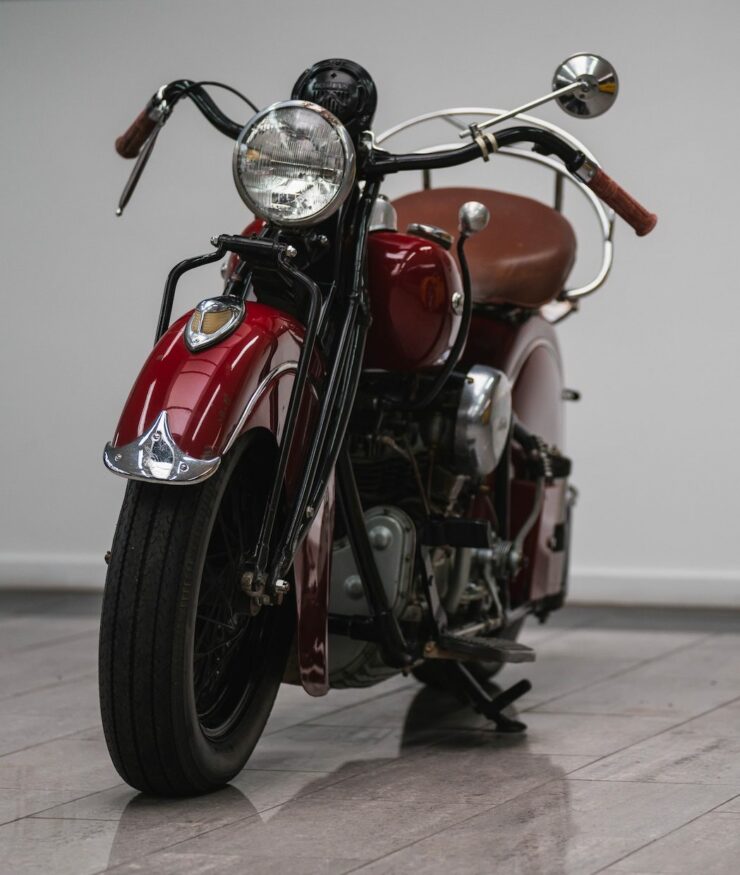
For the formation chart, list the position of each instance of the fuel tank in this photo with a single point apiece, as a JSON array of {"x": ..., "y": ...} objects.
[{"x": 416, "y": 300}]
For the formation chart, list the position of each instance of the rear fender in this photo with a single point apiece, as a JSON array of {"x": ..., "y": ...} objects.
[
  {"x": 187, "y": 409},
  {"x": 528, "y": 352}
]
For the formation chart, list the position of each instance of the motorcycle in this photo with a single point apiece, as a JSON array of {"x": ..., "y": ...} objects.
[{"x": 349, "y": 463}]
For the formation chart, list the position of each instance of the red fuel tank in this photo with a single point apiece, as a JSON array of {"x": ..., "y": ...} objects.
[{"x": 416, "y": 300}]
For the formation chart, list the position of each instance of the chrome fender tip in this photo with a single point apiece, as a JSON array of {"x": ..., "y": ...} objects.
[{"x": 155, "y": 457}]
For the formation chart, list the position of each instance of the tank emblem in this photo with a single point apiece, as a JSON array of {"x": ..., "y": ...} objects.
[{"x": 432, "y": 292}]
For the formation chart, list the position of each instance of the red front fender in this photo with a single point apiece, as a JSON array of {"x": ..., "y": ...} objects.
[
  {"x": 211, "y": 396},
  {"x": 203, "y": 402}
]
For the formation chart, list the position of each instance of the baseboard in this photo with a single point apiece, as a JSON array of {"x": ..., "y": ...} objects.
[
  {"x": 635, "y": 586},
  {"x": 52, "y": 571},
  {"x": 681, "y": 587}
]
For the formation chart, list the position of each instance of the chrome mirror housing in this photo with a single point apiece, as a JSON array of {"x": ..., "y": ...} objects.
[
  {"x": 473, "y": 217},
  {"x": 598, "y": 81}
]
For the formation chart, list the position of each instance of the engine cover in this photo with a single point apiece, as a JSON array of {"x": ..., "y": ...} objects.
[
  {"x": 393, "y": 539},
  {"x": 483, "y": 421}
]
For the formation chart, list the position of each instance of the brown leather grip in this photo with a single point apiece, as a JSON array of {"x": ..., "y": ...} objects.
[
  {"x": 623, "y": 204},
  {"x": 129, "y": 144}
]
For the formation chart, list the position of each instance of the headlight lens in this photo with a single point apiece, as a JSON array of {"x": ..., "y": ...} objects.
[{"x": 294, "y": 163}]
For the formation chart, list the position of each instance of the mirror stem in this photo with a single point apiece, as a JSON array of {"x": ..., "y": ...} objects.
[{"x": 579, "y": 84}]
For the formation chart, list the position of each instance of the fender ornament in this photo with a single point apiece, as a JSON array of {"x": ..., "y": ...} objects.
[{"x": 156, "y": 456}]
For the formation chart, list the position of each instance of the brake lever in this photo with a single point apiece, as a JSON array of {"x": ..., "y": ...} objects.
[{"x": 138, "y": 169}]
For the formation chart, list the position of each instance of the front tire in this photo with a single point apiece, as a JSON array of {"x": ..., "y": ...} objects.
[{"x": 187, "y": 677}]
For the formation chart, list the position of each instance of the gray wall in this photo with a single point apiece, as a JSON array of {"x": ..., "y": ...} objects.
[{"x": 655, "y": 353}]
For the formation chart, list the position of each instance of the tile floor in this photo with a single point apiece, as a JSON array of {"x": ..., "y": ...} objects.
[{"x": 631, "y": 763}]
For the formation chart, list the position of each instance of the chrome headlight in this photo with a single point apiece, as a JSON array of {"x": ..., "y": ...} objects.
[
  {"x": 294, "y": 163},
  {"x": 212, "y": 320}
]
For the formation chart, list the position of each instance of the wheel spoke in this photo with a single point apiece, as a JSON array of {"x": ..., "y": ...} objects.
[
  {"x": 230, "y": 648},
  {"x": 216, "y": 622},
  {"x": 226, "y": 538}
]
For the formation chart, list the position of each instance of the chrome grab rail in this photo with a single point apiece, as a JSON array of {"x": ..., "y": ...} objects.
[{"x": 604, "y": 216}]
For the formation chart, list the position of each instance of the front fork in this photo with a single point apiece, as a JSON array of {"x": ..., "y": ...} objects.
[
  {"x": 261, "y": 588},
  {"x": 265, "y": 571}
]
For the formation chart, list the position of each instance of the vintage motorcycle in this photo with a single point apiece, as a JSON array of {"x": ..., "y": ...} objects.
[{"x": 367, "y": 423}]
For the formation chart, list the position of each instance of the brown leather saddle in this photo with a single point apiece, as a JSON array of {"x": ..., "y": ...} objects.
[{"x": 521, "y": 259}]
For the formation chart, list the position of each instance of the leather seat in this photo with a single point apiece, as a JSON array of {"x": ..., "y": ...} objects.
[{"x": 521, "y": 259}]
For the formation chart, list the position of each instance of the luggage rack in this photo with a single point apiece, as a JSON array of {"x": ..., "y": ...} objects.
[{"x": 569, "y": 298}]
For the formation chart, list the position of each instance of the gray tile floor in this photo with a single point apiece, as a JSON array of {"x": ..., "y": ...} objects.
[{"x": 631, "y": 763}]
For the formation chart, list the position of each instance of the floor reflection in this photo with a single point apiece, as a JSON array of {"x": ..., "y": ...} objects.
[
  {"x": 530, "y": 832},
  {"x": 145, "y": 813},
  {"x": 445, "y": 753}
]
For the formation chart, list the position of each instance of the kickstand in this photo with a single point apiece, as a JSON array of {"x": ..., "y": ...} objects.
[{"x": 467, "y": 687}]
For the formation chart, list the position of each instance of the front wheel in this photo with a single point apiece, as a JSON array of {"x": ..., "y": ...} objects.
[{"x": 187, "y": 675}]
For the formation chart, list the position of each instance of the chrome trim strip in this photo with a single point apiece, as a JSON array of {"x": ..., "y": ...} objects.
[
  {"x": 156, "y": 457},
  {"x": 275, "y": 373}
]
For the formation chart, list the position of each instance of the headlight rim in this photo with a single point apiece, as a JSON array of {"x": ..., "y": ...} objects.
[{"x": 345, "y": 188}]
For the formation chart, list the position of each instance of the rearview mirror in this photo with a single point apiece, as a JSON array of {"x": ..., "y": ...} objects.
[{"x": 599, "y": 85}]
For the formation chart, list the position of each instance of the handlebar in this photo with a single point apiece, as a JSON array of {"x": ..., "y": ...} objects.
[
  {"x": 138, "y": 132},
  {"x": 623, "y": 204},
  {"x": 161, "y": 105},
  {"x": 378, "y": 163}
]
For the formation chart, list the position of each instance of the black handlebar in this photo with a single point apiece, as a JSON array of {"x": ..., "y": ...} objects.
[
  {"x": 380, "y": 163},
  {"x": 129, "y": 144},
  {"x": 202, "y": 99},
  {"x": 375, "y": 163}
]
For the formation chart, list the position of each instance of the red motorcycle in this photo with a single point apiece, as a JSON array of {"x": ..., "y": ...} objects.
[{"x": 348, "y": 464}]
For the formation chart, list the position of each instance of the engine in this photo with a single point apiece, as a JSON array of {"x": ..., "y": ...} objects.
[
  {"x": 410, "y": 466},
  {"x": 434, "y": 458}
]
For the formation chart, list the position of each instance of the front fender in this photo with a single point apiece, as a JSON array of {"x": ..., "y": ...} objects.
[
  {"x": 187, "y": 409},
  {"x": 212, "y": 396}
]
